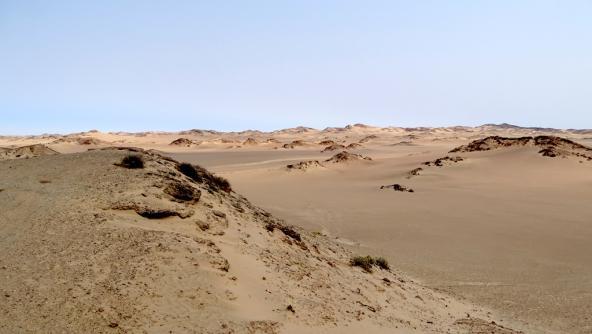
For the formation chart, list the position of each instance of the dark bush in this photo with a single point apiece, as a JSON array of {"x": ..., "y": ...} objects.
[
  {"x": 132, "y": 162},
  {"x": 269, "y": 226},
  {"x": 183, "y": 192},
  {"x": 291, "y": 232},
  {"x": 221, "y": 183},
  {"x": 364, "y": 262},
  {"x": 190, "y": 171},
  {"x": 200, "y": 174},
  {"x": 286, "y": 230},
  {"x": 382, "y": 263}
]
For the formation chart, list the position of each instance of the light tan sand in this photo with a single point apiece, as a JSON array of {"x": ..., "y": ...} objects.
[
  {"x": 79, "y": 254},
  {"x": 508, "y": 229}
]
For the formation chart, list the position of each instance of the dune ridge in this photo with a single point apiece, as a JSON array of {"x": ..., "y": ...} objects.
[{"x": 550, "y": 146}]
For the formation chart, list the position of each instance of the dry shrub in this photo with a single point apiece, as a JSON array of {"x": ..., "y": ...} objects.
[
  {"x": 132, "y": 162},
  {"x": 367, "y": 262},
  {"x": 200, "y": 174}
]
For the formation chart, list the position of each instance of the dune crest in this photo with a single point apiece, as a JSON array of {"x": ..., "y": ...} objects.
[
  {"x": 183, "y": 142},
  {"x": 550, "y": 146}
]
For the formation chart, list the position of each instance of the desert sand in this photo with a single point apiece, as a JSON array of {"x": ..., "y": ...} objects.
[{"x": 495, "y": 234}]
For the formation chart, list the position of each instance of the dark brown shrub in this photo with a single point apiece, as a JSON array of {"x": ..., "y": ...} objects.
[
  {"x": 183, "y": 192},
  {"x": 364, "y": 262},
  {"x": 200, "y": 174},
  {"x": 132, "y": 162},
  {"x": 286, "y": 230},
  {"x": 221, "y": 183},
  {"x": 190, "y": 171},
  {"x": 382, "y": 263}
]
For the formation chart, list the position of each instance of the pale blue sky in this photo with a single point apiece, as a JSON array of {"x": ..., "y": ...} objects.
[{"x": 167, "y": 65}]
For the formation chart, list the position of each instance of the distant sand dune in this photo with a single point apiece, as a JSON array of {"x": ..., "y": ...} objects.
[
  {"x": 343, "y": 157},
  {"x": 550, "y": 146},
  {"x": 23, "y": 152}
]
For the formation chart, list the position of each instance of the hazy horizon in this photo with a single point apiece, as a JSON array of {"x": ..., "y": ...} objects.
[{"x": 285, "y": 128}]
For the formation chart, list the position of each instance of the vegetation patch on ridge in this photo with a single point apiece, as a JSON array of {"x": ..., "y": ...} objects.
[
  {"x": 368, "y": 262},
  {"x": 200, "y": 174}
]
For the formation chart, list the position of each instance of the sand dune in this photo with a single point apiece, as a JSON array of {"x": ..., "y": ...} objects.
[
  {"x": 168, "y": 248},
  {"x": 250, "y": 141},
  {"x": 25, "y": 152},
  {"x": 183, "y": 142},
  {"x": 550, "y": 146},
  {"x": 344, "y": 157},
  {"x": 506, "y": 230}
]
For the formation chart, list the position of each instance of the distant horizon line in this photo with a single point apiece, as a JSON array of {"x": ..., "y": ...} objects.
[{"x": 503, "y": 125}]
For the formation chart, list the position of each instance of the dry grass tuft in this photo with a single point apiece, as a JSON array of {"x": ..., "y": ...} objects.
[{"x": 367, "y": 262}]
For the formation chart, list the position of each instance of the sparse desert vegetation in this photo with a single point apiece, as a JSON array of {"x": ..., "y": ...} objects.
[
  {"x": 132, "y": 161},
  {"x": 199, "y": 174},
  {"x": 183, "y": 192},
  {"x": 368, "y": 262},
  {"x": 189, "y": 204},
  {"x": 229, "y": 185}
]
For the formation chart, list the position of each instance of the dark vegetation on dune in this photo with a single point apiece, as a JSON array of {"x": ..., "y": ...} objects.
[
  {"x": 182, "y": 142},
  {"x": 346, "y": 156},
  {"x": 414, "y": 172},
  {"x": 183, "y": 192},
  {"x": 368, "y": 262},
  {"x": 398, "y": 187},
  {"x": 440, "y": 161},
  {"x": 302, "y": 165},
  {"x": 287, "y": 230},
  {"x": 200, "y": 174},
  {"x": 547, "y": 142},
  {"x": 132, "y": 162},
  {"x": 550, "y": 146}
]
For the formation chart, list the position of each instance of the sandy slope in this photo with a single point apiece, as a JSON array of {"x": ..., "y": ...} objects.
[
  {"x": 507, "y": 228},
  {"x": 77, "y": 255},
  {"x": 499, "y": 227}
]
